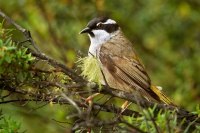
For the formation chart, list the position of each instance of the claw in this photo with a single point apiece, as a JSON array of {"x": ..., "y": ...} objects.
[
  {"x": 124, "y": 106},
  {"x": 89, "y": 99}
]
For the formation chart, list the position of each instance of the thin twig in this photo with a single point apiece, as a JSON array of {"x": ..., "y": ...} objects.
[
  {"x": 33, "y": 109},
  {"x": 71, "y": 102},
  {"x": 24, "y": 31},
  {"x": 63, "y": 68}
]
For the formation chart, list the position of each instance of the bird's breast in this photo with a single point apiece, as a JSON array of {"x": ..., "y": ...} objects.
[{"x": 93, "y": 50}]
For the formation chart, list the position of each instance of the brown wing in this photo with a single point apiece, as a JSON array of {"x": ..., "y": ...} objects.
[
  {"x": 126, "y": 69},
  {"x": 129, "y": 72},
  {"x": 119, "y": 58}
]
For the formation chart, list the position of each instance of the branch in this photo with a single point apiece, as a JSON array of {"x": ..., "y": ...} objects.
[
  {"x": 26, "y": 33},
  {"x": 192, "y": 119},
  {"x": 41, "y": 55},
  {"x": 59, "y": 65},
  {"x": 59, "y": 100}
]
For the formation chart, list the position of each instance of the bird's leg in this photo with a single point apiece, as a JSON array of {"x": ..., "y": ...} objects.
[
  {"x": 89, "y": 99},
  {"x": 124, "y": 106}
]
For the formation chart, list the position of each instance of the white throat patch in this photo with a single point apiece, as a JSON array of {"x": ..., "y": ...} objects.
[{"x": 100, "y": 37}]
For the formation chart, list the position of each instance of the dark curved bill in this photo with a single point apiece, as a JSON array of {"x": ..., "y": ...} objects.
[{"x": 86, "y": 30}]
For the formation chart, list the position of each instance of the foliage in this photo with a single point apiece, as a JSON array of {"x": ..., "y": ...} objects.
[
  {"x": 163, "y": 122},
  {"x": 8, "y": 125},
  {"x": 14, "y": 60},
  {"x": 164, "y": 33}
]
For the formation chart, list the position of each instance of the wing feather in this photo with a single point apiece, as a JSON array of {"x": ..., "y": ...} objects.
[{"x": 123, "y": 69}]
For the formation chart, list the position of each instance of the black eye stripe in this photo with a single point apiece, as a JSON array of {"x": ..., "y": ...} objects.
[{"x": 109, "y": 27}]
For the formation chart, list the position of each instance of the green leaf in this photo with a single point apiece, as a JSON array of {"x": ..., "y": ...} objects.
[
  {"x": 198, "y": 127},
  {"x": 11, "y": 48},
  {"x": 24, "y": 51},
  {"x": 20, "y": 76},
  {"x": 1, "y": 43},
  {"x": 7, "y": 58},
  {"x": 2, "y": 53},
  {"x": 7, "y": 41}
]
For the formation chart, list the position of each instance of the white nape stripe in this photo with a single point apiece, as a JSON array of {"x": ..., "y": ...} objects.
[{"x": 110, "y": 21}]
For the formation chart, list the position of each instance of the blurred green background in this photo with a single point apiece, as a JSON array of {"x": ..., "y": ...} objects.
[{"x": 165, "y": 33}]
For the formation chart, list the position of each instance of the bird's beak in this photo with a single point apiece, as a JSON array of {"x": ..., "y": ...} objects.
[{"x": 86, "y": 30}]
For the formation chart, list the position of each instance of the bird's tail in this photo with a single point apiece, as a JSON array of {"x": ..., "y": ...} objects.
[{"x": 162, "y": 97}]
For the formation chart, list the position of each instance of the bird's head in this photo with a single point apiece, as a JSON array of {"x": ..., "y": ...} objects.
[{"x": 100, "y": 30}]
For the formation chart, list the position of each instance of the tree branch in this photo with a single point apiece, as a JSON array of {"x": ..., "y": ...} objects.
[{"x": 80, "y": 83}]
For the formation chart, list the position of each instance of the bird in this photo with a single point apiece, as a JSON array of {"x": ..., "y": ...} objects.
[{"x": 120, "y": 65}]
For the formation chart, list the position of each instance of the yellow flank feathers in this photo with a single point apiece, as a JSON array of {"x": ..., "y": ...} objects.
[
  {"x": 162, "y": 97},
  {"x": 91, "y": 70}
]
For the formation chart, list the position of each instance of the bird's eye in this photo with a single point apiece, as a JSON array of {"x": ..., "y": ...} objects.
[{"x": 99, "y": 25}]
